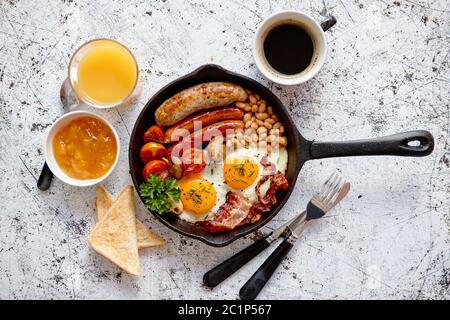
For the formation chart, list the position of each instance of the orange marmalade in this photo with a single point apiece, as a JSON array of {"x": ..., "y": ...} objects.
[{"x": 85, "y": 148}]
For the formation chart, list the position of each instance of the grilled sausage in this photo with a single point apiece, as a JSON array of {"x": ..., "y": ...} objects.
[
  {"x": 200, "y": 137},
  {"x": 180, "y": 129},
  {"x": 197, "y": 98},
  {"x": 216, "y": 129}
]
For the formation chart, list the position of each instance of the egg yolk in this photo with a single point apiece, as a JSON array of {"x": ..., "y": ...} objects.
[
  {"x": 197, "y": 194},
  {"x": 240, "y": 173}
]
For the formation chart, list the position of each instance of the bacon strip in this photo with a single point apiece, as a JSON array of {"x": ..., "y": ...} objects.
[
  {"x": 277, "y": 181},
  {"x": 238, "y": 211},
  {"x": 269, "y": 167},
  {"x": 230, "y": 214}
]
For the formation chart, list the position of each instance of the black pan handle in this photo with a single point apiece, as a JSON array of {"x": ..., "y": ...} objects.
[
  {"x": 417, "y": 143},
  {"x": 254, "y": 285},
  {"x": 45, "y": 179},
  {"x": 221, "y": 272}
]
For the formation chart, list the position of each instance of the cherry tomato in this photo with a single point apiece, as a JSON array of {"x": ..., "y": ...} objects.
[
  {"x": 193, "y": 160},
  {"x": 157, "y": 167},
  {"x": 152, "y": 150},
  {"x": 155, "y": 133},
  {"x": 284, "y": 186}
]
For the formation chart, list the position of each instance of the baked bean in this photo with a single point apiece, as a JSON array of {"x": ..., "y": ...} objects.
[
  {"x": 262, "y": 130},
  {"x": 262, "y": 107},
  {"x": 272, "y": 139},
  {"x": 263, "y": 137},
  {"x": 247, "y": 132},
  {"x": 269, "y": 120},
  {"x": 240, "y": 105},
  {"x": 275, "y": 132},
  {"x": 262, "y": 116},
  {"x": 261, "y": 125}
]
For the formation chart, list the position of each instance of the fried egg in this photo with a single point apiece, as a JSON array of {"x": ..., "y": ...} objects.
[
  {"x": 248, "y": 170},
  {"x": 198, "y": 196},
  {"x": 240, "y": 172},
  {"x": 203, "y": 193}
]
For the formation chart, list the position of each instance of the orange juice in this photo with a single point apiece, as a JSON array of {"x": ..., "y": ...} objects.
[{"x": 106, "y": 74}]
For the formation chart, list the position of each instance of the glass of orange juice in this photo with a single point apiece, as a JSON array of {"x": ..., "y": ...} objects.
[{"x": 103, "y": 73}]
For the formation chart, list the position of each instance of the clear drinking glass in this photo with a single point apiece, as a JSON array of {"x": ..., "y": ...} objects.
[{"x": 103, "y": 73}]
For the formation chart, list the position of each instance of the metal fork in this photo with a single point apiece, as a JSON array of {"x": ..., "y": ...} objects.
[{"x": 331, "y": 193}]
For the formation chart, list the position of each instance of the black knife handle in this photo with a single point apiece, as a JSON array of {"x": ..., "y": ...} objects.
[
  {"x": 254, "y": 285},
  {"x": 222, "y": 271},
  {"x": 45, "y": 178}
]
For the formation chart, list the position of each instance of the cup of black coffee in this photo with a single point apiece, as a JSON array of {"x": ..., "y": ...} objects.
[{"x": 290, "y": 47}]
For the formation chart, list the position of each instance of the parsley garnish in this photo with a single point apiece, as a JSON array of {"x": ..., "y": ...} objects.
[
  {"x": 159, "y": 195},
  {"x": 240, "y": 168},
  {"x": 195, "y": 196}
]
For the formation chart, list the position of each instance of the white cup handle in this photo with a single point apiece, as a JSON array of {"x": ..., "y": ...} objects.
[{"x": 328, "y": 23}]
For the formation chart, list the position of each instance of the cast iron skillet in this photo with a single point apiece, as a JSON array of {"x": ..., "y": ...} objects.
[{"x": 300, "y": 150}]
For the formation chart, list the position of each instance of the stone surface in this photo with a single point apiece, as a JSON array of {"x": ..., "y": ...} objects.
[{"x": 387, "y": 71}]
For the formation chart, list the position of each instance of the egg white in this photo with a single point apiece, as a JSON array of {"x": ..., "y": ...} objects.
[{"x": 213, "y": 172}]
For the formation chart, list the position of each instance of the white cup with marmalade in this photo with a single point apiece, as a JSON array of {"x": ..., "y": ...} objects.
[{"x": 82, "y": 148}]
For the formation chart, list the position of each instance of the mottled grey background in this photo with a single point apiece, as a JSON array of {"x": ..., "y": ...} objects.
[{"x": 387, "y": 71}]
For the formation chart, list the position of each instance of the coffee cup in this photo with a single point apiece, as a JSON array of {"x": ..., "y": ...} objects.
[{"x": 290, "y": 47}]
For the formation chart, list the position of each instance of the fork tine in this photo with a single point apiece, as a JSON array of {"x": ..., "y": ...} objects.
[
  {"x": 337, "y": 188},
  {"x": 330, "y": 186},
  {"x": 332, "y": 191},
  {"x": 326, "y": 187}
]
